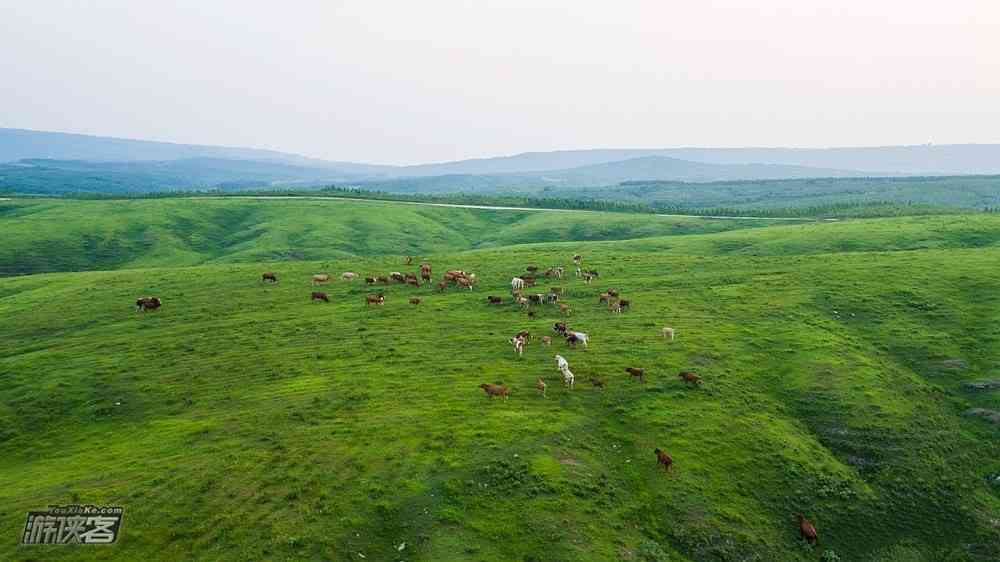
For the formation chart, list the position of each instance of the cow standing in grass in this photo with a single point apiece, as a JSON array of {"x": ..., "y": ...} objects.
[
  {"x": 269, "y": 276},
  {"x": 320, "y": 278},
  {"x": 144, "y": 304}
]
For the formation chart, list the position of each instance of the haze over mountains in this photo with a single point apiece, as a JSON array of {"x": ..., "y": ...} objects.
[{"x": 50, "y": 162}]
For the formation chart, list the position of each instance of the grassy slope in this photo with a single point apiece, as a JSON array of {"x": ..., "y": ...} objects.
[
  {"x": 50, "y": 235},
  {"x": 254, "y": 425}
]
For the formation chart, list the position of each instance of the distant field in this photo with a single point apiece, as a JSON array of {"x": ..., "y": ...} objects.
[
  {"x": 241, "y": 422},
  {"x": 48, "y": 235}
]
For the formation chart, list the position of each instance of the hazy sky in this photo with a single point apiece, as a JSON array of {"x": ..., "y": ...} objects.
[{"x": 412, "y": 81}]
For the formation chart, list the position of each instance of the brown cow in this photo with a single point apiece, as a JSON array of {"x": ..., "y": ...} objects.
[
  {"x": 425, "y": 271},
  {"x": 465, "y": 282},
  {"x": 689, "y": 377},
  {"x": 541, "y": 386},
  {"x": 806, "y": 530},
  {"x": 524, "y": 335},
  {"x": 320, "y": 278},
  {"x": 147, "y": 303},
  {"x": 495, "y": 390},
  {"x": 376, "y": 298},
  {"x": 564, "y": 309},
  {"x": 319, "y": 296},
  {"x": 663, "y": 458},
  {"x": 269, "y": 276},
  {"x": 637, "y": 373},
  {"x": 414, "y": 300}
]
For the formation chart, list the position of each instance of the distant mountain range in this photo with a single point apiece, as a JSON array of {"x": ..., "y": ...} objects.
[{"x": 48, "y": 162}]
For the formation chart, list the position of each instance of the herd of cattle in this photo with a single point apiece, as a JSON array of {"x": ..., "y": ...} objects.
[{"x": 461, "y": 279}]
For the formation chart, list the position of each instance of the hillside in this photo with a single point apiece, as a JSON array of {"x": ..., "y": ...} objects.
[
  {"x": 241, "y": 422},
  {"x": 46, "y": 235}
]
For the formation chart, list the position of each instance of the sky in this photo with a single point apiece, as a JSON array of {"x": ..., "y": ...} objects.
[{"x": 406, "y": 82}]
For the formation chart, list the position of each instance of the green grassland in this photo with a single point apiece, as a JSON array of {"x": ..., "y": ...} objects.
[
  {"x": 47, "y": 235},
  {"x": 242, "y": 422}
]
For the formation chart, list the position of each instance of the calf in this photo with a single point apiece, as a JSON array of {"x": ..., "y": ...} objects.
[
  {"x": 377, "y": 298},
  {"x": 636, "y": 373},
  {"x": 495, "y": 390},
  {"x": 541, "y": 386},
  {"x": 269, "y": 276},
  {"x": 518, "y": 343},
  {"x": 319, "y": 296},
  {"x": 320, "y": 278},
  {"x": 663, "y": 458},
  {"x": 147, "y": 303},
  {"x": 494, "y": 300},
  {"x": 689, "y": 377},
  {"x": 414, "y": 300},
  {"x": 806, "y": 530}
]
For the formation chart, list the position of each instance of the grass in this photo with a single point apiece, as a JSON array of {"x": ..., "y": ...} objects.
[
  {"x": 45, "y": 235},
  {"x": 242, "y": 422}
]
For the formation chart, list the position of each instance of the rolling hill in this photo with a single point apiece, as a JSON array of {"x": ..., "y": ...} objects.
[{"x": 242, "y": 422}]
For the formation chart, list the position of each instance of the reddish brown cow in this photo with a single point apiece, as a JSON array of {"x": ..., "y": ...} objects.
[
  {"x": 636, "y": 373},
  {"x": 425, "y": 271},
  {"x": 663, "y": 458},
  {"x": 495, "y": 390},
  {"x": 269, "y": 276},
  {"x": 377, "y": 298},
  {"x": 689, "y": 377},
  {"x": 806, "y": 529},
  {"x": 147, "y": 303},
  {"x": 319, "y": 296}
]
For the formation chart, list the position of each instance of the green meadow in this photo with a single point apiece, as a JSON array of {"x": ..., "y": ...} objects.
[{"x": 243, "y": 422}]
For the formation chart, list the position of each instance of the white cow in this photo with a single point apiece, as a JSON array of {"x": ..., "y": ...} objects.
[
  {"x": 348, "y": 276},
  {"x": 561, "y": 363},
  {"x": 516, "y": 284},
  {"x": 568, "y": 377},
  {"x": 580, "y": 336}
]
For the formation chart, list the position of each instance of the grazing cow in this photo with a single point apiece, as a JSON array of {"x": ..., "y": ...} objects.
[
  {"x": 597, "y": 382},
  {"x": 613, "y": 292},
  {"x": 623, "y": 304},
  {"x": 541, "y": 386},
  {"x": 516, "y": 284},
  {"x": 350, "y": 276},
  {"x": 564, "y": 309},
  {"x": 663, "y": 458},
  {"x": 807, "y": 531},
  {"x": 147, "y": 303},
  {"x": 568, "y": 378},
  {"x": 561, "y": 363},
  {"x": 466, "y": 282},
  {"x": 546, "y": 340},
  {"x": 636, "y": 373},
  {"x": 371, "y": 280},
  {"x": 374, "y": 298},
  {"x": 689, "y": 377},
  {"x": 532, "y": 268},
  {"x": 320, "y": 278},
  {"x": 397, "y": 276},
  {"x": 559, "y": 328},
  {"x": 518, "y": 344},
  {"x": 573, "y": 338},
  {"x": 495, "y": 390},
  {"x": 414, "y": 300},
  {"x": 269, "y": 276},
  {"x": 425, "y": 271},
  {"x": 494, "y": 300},
  {"x": 668, "y": 332},
  {"x": 319, "y": 296}
]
